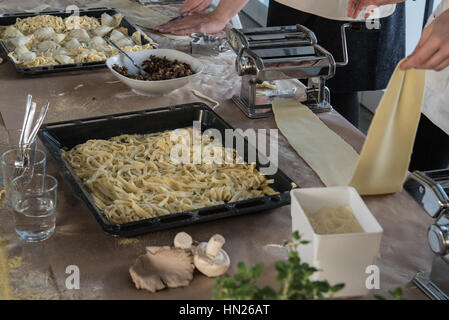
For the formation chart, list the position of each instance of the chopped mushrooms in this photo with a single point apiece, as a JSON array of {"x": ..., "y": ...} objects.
[{"x": 162, "y": 267}]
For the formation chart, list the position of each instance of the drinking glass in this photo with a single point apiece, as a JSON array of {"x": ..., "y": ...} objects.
[
  {"x": 34, "y": 202},
  {"x": 11, "y": 141},
  {"x": 36, "y": 164}
]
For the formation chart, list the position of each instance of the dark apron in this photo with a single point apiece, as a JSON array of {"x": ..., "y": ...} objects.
[{"x": 373, "y": 55}]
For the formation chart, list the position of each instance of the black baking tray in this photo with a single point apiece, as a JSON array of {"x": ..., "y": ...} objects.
[
  {"x": 67, "y": 134},
  {"x": 10, "y": 19}
]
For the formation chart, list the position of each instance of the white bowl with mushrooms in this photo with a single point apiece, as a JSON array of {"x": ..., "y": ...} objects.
[{"x": 158, "y": 87}]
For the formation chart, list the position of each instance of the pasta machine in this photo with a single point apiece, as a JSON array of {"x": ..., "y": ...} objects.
[
  {"x": 277, "y": 53},
  {"x": 287, "y": 52},
  {"x": 431, "y": 190}
]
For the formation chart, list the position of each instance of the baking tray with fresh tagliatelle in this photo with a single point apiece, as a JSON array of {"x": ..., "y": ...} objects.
[
  {"x": 68, "y": 134},
  {"x": 10, "y": 19}
]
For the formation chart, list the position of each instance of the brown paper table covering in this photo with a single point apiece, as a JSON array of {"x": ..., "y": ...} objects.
[{"x": 38, "y": 270}]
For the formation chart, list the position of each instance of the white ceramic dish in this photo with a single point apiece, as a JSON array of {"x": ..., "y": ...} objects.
[
  {"x": 154, "y": 87},
  {"x": 341, "y": 258}
]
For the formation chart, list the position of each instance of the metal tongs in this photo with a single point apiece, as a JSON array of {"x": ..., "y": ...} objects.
[
  {"x": 30, "y": 129},
  {"x": 142, "y": 72}
]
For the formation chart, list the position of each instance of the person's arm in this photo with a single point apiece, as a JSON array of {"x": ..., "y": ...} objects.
[
  {"x": 357, "y": 6},
  {"x": 432, "y": 51},
  {"x": 210, "y": 22},
  {"x": 194, "y": 6}
]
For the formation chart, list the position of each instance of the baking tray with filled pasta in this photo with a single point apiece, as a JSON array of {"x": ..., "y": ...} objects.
[
  {"x": 55, "y": 41},
  {"x": 145, "y": 194}
]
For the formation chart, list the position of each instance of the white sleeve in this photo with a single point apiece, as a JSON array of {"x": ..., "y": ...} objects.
[{"x": 436, "y": 96}]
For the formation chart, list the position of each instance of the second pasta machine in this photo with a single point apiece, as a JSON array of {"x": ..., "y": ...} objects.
[{"x": 431, "y": 190}]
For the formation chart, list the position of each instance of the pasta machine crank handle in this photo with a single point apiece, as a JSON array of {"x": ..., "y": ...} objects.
[{"x": 357, "y": 26}]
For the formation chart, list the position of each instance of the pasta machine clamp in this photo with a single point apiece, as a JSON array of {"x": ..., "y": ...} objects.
[{"x": 431, "y": 190}]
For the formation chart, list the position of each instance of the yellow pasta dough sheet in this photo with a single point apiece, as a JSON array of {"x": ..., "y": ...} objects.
[
  {"x": 386, "y": 153},
  {"x": 325, "y": 152},
  {"x": 385, "y": 156}
]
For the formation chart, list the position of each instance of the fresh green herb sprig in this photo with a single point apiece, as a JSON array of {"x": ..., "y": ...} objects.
[{"x": 293, "y": 276}]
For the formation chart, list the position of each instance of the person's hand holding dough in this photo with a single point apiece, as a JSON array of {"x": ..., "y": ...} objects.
[{"x": 432, "y": 51}]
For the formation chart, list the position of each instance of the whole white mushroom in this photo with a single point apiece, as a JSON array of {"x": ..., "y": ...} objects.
[
  {"x": 183, "y": 241},
  {"x": 210, "y": 259}
]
